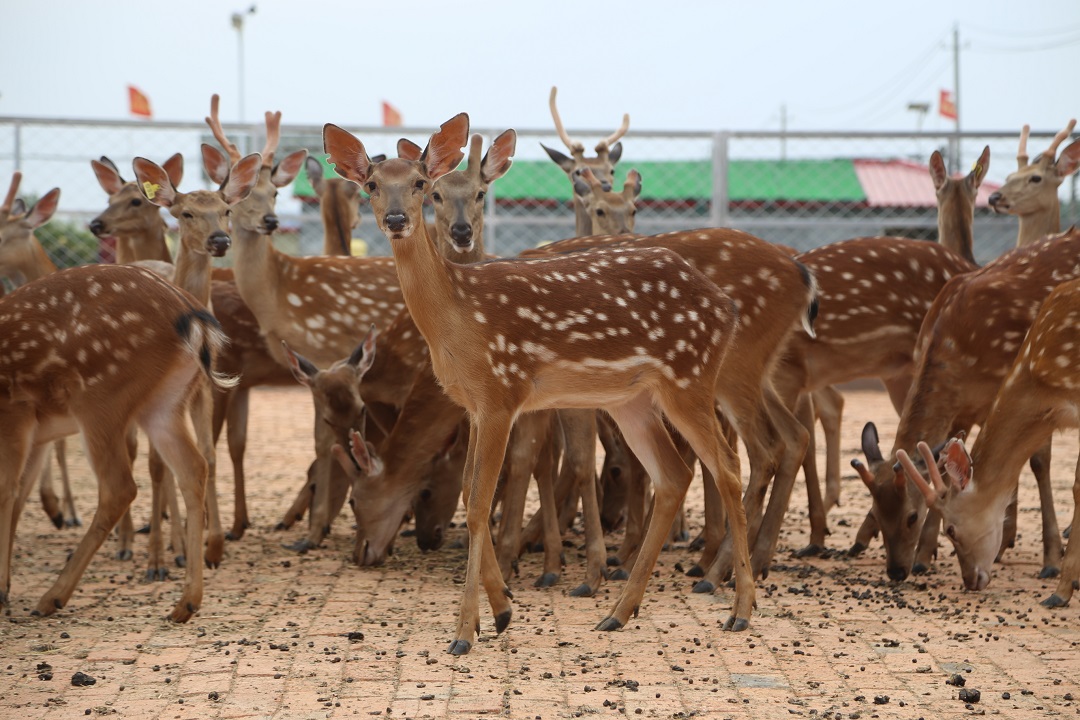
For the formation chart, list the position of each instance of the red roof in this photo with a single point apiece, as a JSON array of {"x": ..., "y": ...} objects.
[{"x": 902, "y": 183}]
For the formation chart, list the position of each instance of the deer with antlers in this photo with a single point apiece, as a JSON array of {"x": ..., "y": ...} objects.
[
  {"x": 1031, "y": 193},
  {"x": 204, "y": 232},
  {"x": 504, "y": 340},
  {"x": 1038, "y": 396},
  {"x": 969, "y": 340},
  {"x": 66, "y": 345}
]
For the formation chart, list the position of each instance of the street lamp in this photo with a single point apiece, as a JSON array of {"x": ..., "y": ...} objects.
[
  {"x": 238, "y": 25},
  {"x": 920, "y": 108}
]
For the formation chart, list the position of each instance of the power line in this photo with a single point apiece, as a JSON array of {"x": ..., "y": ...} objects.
[{"x": 1064, "y": 42}]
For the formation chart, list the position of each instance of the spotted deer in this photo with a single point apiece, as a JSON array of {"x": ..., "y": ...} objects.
[
  {"x": 608, "y": 212},
  {"x": 506, "y": 338},
  {"x": 66, "y": 345},
  {"x": 339, "y": 205},
  {"x": 203, "y": 220},
  {"x": 1031, "y": 193},
  {"x": 608, "y": 152},
  {"x": 969, "y": 340},
  {"x": 1038, "y": 396}
]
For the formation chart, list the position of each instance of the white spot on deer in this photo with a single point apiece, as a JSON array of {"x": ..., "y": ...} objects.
[{"x": 294, "y": 300}]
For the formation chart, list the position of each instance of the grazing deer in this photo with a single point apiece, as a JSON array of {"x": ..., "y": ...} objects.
[
  {"x": 608, "y": 152},
  {"x": 339, "y": 205},
  {"x": 1039, "y": 396},
  {"x": 504, "y": 340},
  {"x": 67, "y": 342},
  {"x": 969, "y": 340},
  {"x": 1031, "y": 193},
  {"x": 203, "y": 219}
]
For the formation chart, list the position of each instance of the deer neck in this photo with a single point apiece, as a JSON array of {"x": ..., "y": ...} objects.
[
  {"x": 582, "y": 221},
  {"x": 337, "y": 228},
  {"x": 955, "y": 231},
  {"x": 193, "y": 274},
  {"x": 146, "y": 245},
  {"x": 426, "y": 284},
  {"x": 258, "y": 267},
  {"x": 1037, "y": 225}
]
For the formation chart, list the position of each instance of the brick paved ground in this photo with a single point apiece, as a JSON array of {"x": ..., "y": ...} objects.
[{"x": 831, "y": 637}]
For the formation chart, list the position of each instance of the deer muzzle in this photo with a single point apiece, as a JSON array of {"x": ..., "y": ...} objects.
[
  {"x": 270, "y": 222},
  {"x": 98, "y": 228},
  {"x": 395, "y": 221},
  {"x": 461, "y": 233},
  {"x": 218, "y": 244}
]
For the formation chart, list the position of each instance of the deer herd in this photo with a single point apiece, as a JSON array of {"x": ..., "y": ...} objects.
[{"x": 443, "y": 372}]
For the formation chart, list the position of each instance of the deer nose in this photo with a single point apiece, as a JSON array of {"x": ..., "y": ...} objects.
[
  {"x": 395, "y": 221},
  {"x": 218, "y": 244},
  {"x": 97, "y": 227},
  {"x": 606, "y": 186},
  {"x": 270, "y": 222},
  {"x": 994, "y": 198},
  {"x": 461, "y": 233},
  {"x": 897, "y": 573}
]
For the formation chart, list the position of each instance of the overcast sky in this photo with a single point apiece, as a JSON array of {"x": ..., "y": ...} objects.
[{"x": 672, "y": 65}]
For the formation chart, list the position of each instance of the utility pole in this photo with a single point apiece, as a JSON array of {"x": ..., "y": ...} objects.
[{"x": 238, "y": 25}]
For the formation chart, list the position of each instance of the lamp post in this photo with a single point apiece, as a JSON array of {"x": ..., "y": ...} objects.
[{"x": 238, "y": 25}]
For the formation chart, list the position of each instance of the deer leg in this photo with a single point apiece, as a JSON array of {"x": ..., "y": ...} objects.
[
  {"x": 549, "y": 514},
  {"x": 17, "y": 476},
  {"x": 638, "y": 506},
  {"x": 1008, "y": 530},
  {"x": 71, "y": 517},
  {"x": 1051, "y": 533},
  {"x": 301, "y": 503},
  {"x": 521, "y": 454},
  {"x": 926, "y": 550},
  {"x": 805, "y": 407},
  {"x": 169, "y": 433},
  {"x": 867, "y": 531},
  {"x": 202, "y": 417},
  {"x": 50, "y": 502},
  {"x": 161, "y": 482},
  {"x": 487, "y": 445},
  {"x": 238, "y": 407},
  {"x": 1070, "y": 566},
  {"x": 116, "y": 490},
  {"x": 829, "y": 408},
  {"x": 580, "y": 430},
  {"x": 715, "y": 520}
]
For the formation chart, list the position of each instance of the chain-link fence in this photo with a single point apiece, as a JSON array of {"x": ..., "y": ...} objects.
[{"x": 802, "y": 189}]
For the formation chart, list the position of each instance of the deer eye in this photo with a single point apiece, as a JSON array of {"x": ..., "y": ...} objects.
[
  {"x": 371, "y": 187},
  {"x": 480, "y": 196},
  {"x": 633, "y": 211},
  {"x": 600, "y": 212},
  {"x": 136, "y": 202},
  {"x": 951, "y": 532},
  {"x": 187, "y": 215},
  {"x": 228, "y": 212},
  {"x": 1036, "y": 179},
  {"x": 436, "y": 197},
  {"x": 419, "y": 185},
  {"x": 912, "y": 519}
]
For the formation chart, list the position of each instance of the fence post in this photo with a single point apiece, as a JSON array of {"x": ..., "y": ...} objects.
[{"x": 718, "y": 213}]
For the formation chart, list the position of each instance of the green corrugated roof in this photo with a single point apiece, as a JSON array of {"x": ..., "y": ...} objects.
[{"x": 749, "y": 180}]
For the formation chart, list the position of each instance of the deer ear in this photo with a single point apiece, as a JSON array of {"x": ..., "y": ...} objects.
[
  {"x": 958, "y": 463},
  {"x": 871, "y": 445},
  {"x": 981, "y": 167},
  {"x": 154, "y": 182},
  {"x": 938, "y": 173},
  {"x": 301, "y": 367},
  {"x": 1069, "y": 161},
  {"x": 315, "y": 175},
  {"x": 616, "y": 153},
  {"x": 44, "y": 208},
  {"x": 581, "y": 188},
  {"x": 346, "y": 153},
  {"x": 443, "y": 152},
  {"x": 563, "y": 161},
  {"x": 107, "y": 176},
  {"x": 632, "y": 186},
  {"x": 408, "y": 150},
  {"x": 242, "y": 178},
  {"x": 174, "y": 168},
  {"x": 289, "y": 167},
  {"x": 497, "y": 159},
  {"x": 364, "y": 354},
  {"x": 216, "y": 164}
]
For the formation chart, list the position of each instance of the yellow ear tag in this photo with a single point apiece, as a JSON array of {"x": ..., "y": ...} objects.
[
  {"x": 150, "y": 189},
  {"x": 976, "y": 168}
]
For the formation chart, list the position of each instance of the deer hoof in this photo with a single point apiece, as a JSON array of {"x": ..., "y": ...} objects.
[
  {"x": 1054, "y": 601},
  {"x": 613, "y": 561},
  {"x": 856, "y": 550},
  {"x": 181, "y": 561},
  {"x": 301, "y": 546},
  {"x": 919, "y": 569},
  {"x": 459, "y": 647},
  {"x": 156, "y": 574},
  {"x": 736, "y": 624},
  {"x": 546, "y": 580},
  {"x": 124, "y": 554},
  {"x": 703, "y": 587},
  {"x": 58, "y": 520},
  {"x": 73, "y": 522},
  {"x": 620, "y": 574},
  {"x": 582, "y": 590},
  {"x": 696, "y": 571},
  {"x": 212, "y": 564},
  {"x": 1049, "y": 571},
  {"x": 608, "y": 624},
  {"x": 502, "y": 621},
  {"x": 811, "y": 550}
]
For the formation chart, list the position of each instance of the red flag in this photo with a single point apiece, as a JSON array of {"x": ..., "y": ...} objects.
[
  {"x": 390, "y": 115},
  {"x": 138, "y": 103},
  {"x": 947, "y": 105}
]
